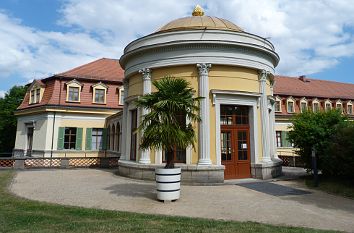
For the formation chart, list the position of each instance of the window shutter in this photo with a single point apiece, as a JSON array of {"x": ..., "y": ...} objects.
[
  {"x": 78, "y": 143},
  {"x": 104, "y": 139},
  {"x": 88, "y": 139},
  {"x": 284, "y": 136},
  {"x": 61, "y": 138}
]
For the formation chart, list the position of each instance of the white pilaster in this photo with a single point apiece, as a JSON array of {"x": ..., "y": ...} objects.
[
  {"x": 264, "y": 116},
  {"x": 204, "y": 125},
  {"x": 145, "y": 154},
  {"x": 124, "y": 151}
]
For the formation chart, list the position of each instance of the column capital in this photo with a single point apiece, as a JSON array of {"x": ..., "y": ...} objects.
[
  {"x": 263, "y": 75},
  {"x": 203, "y": 68},
  {"x": 146, "y": 72}
]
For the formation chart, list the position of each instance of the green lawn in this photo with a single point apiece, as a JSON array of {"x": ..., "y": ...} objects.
[
  {"x": 331, "y": 185},
  {"x": 21, "y": 215}
]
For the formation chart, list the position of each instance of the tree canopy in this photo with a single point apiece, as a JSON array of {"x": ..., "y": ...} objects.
[{"x": 8, "y": 121}]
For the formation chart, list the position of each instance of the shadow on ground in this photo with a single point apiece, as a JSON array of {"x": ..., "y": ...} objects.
[{"x": 133, "y": 190}]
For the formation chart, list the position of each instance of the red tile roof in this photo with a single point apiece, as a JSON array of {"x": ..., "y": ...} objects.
[
  {"x": 307, "y": 87},
  {"x": 107, "y": 71},
  {"x": 103, "y": 69}
]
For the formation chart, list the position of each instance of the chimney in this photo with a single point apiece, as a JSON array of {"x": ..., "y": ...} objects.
[{"x": 304, "y": 79}]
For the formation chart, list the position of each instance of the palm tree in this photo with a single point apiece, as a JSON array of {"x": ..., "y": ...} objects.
[{"x": 161, "y": 126}]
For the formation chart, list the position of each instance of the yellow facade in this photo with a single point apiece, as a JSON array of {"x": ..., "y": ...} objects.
[{"x": 221, "y": 77}]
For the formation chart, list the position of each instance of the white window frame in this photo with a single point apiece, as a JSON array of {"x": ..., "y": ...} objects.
[
  {"x": 316, "y": 101},
  {"x": 303, "y": 100},
  {"x": 74, "y": 84},
  {"x": 35, "y": 88},
  {"x": 278, "y": 99},
  {"x": 328, "y": 102},
  {"x": 121, "y": 96},
  {"x": 340, "y": 103},
  {"x": 99, "y": 86},
  {"x": 349, "y": 106},
  {"x": 290, "y": 100}
]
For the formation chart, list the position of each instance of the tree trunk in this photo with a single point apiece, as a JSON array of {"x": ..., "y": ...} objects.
[{"x": 170, "y": 159}]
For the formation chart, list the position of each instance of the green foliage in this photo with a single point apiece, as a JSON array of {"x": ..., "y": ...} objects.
[
  {"x": 8, "y": 121},
  {"x": 161, "y": 129},
  {"x": 341, "y": 152},
  {"x": 315, "y": 130}
]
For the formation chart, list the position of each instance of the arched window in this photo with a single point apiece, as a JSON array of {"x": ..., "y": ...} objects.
[
  {"x": 113, "y": 132},
  {"x": 118, "y": 136}
]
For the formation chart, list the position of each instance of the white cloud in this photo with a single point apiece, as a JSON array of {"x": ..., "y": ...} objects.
[
  {"x": 310, "y": 36},
  {"x": 2, "y": 94}
]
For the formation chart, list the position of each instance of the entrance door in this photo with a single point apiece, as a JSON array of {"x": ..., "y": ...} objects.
[{"x": 235, "y": 149}]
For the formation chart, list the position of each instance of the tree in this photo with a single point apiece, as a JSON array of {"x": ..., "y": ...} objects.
[
  {"x": 161, "y": 127},
  {"x": 8, "y": 121},
  {"x": 315, "y": 130}
]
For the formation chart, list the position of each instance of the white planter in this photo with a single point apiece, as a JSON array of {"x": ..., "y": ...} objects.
[{"x": 168, "y": 183}]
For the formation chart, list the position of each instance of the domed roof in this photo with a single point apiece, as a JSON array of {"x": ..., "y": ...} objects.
[{"x": 199, "y": 21}]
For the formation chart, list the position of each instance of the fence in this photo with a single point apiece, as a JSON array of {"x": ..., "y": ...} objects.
[
  {"x": 59, "y": 162},
  {"x": 291, "y": 161}
]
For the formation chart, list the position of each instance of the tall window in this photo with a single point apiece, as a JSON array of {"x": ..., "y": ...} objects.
[
  {"x": 303, "y": 106},
  {"x": 38, "y": 95},
  {"x": 121, "y": 96},
  {"x": 118, "y": 136},
  {"x": 113, "y": 134},
  {"x": 278, "y": 138},
  {"x": 328, "y": 106},
  {"x": 70, "y": 138},
  {"x": 133, "y": 141},
  {"x": 277, "y": 106},
  {"x": 73, "y": 94},
  {"x": 100, "y": 95},
  {"x": 179, "y": 154},
  {"x": 316, "y": 107},
  {"x": 32, "y": 97},
  {"x": 349, "y": 109},
  {"x": 339, "y": 106},
  {"x": 97, "y": 135},
  {"x": 291, "y": 107}
]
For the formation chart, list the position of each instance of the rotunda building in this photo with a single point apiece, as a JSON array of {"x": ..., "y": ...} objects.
[{"x": 233, "y": 70}]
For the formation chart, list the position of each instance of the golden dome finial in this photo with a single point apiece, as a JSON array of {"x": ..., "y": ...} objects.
[{"x": 198, "y": 11}]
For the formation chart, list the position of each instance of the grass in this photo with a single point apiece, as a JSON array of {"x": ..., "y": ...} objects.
[
  {"x": 337, "y": 186},
  {"x": 22, "y": 215}
]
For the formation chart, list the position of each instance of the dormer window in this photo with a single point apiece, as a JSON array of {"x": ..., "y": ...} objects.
[
  {"x": 73, "y": 91},
  {"x": 277, "y": 104},
  {"x": 121, "y": 95},
  {"x": 99, "y": 93},
  {"x": 303, "y": 105},
  {"x": 290, "y": 105},
  {"x": 339, "y": 105},
  {"x": 349, "y": 108},
  {"x": 74, "y": 94},
  {"x": 315, "y": 105},
  {"x": 328, "y": 105},
  {"x": 36, "y": 92}
]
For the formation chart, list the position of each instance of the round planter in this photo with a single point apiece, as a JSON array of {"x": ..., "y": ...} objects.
[{"x": 168, "y": 183}]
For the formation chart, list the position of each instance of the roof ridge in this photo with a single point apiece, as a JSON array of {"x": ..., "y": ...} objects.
[{"x": 314, "y": 79}]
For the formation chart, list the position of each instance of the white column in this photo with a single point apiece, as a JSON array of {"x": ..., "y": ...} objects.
[
  {"x": 264, "y": 116},
  {"x": 145, "y": 154},
  {"x": 124, "y": 151},
  {"x": 204, "y": 125},
  {"x": 273, "y": 150}
]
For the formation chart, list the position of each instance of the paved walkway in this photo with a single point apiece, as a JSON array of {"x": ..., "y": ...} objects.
[{"x": 280, "y": 202}]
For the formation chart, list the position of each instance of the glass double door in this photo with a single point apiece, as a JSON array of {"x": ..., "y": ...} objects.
[{"x": 235, "y": 143}]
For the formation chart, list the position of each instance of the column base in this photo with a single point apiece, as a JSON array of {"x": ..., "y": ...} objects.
[
  {"x": 267, "y": 170},
  {"x": 204, "y": 162}
]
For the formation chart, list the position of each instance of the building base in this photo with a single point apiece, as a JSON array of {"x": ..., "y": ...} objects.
[
  {"x": 268, "y": 170},
  {"x": 191, "y": 174}
]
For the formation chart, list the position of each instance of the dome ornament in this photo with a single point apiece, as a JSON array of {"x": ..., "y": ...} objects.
[{"x": 198, "y": 11}]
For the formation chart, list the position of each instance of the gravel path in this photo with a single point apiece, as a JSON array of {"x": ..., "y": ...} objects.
[{"x": 281, "y": 202}]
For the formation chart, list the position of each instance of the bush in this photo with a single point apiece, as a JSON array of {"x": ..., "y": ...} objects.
[
  {"x": 340, "y": 154},
  {"x": 316, "y": 130}
]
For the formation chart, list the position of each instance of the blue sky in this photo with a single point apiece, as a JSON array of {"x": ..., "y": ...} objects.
[{"x": 41, "y": 37}]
